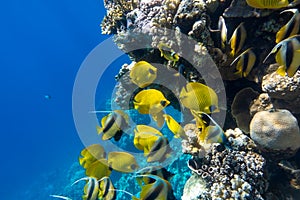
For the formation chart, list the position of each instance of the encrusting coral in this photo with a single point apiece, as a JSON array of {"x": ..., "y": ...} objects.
[{"x": 276, "y": 131}]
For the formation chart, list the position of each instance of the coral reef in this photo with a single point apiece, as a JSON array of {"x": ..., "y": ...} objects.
[
  {"x": 276, "y": 130},
  {"x": 184, "y": 41},
  {"x": 228, "y": 174},
  {"x": 284, "y": 90}
]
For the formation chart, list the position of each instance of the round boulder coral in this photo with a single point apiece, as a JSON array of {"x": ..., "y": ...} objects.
[{"x": 275, "y": 130}]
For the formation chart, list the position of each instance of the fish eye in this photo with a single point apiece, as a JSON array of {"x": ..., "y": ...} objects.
[
  {"x": 151, "y": 71},
  {"x": 133, "y": 166},
  {"x": 163, "y": 103},
  {"x": 212, "y": 108}
]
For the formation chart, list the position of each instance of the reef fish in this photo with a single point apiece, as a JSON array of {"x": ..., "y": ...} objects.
[
  {"x": 244, "y": 63},
  {"x": 91, "y": 154},
  {"x": 145, "y": 137},
  {"x": 151, "y": 101},
  {"x": 153, "y": 170},
  {"x": 106, "y": 189},
  {"x": 161, "y": 189},
  {"x": 113, "y": 125},
  {"x": 270, "y": 4},
  {"x": 287, "y": 55},
  {"x": 160, "y": 150},
  {"x": 199, "y": 97},
  {"x": 122, "y": 162},
  {"x": 213, "y": 133},
  {"x": 237, "y": 39},
  {"x": 143, "y": 74},
  {"x": 91, "y": 189},
  {"x": 291, "y": 28},
  {"x": 223, "y": 31},
  {"x": 175, "y": 127},
  {"x": 168, "y": 53},
  {"x": 98, "y": 169}
]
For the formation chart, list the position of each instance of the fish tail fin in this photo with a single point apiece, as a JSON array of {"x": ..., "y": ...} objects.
[
  {"x": 281, "y": 71},
  {"x": 99, "y": 129}
]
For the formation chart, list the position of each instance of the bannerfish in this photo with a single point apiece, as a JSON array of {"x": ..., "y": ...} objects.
[
  {"x": 291, "y": 28},
  {"x": 287, "y": 55},
  {"x": 153, "y": 170},
  {"x": 213, "y": 133},
  {"x": 122, "y": 162},
  {"x": 151, "y": 101},
  {"x": 91, "y": 189},
  {"x": 106, "y": 189},
  {"x": 223, "y": 31},
  {"x": 145, "y": 137},
  {"x": 237, "y": 39},
  {"x": 91, "y": 154},
  {"x": 175, "y": 127},
  {"x": 168, "y": 53},
  {"x": 161, "y": 189},
  {"x": 113, "y": 125},
  {"x": 160, "y": 150},
  {"x": 199, "y": 97},
  {"x": 270, "y": 4},
  {"x": 143, "y": 74},
  {"x": 244, "y": 63}
]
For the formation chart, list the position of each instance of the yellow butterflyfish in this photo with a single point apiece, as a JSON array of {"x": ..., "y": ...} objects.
[
  {"x": 270, "y": 4},
  {"x": 143, "y": 74},
  {"x": 122, "y": 162},
  {"x": 199, "y": 97}
]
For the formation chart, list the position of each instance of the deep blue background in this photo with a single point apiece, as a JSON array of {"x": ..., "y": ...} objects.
[{"x": 42, "y": 44}]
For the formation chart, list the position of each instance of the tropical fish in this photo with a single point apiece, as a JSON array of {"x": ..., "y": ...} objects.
[
  {"x": 161, "y": 189},
  {"x": 237, "y": 39},
  {"x": 199, "y": 97},
  {"x": 287, "y": 55},
  {"x": 91, "y": 154},
  {"x": 113, "y": 125},
  {"x": 98, "y": 169},
  {"x": 291, "y": 28},
  {"x": 153, "y": 170},
  {"x": 91, "y": 189},
  {"x": 143, "y": 74},
  {"x": 273, "y": 4},
  {"x": 223, "y": 30},
  {"x": 213, "y": 133},
  {"x": 168, "y": 53},
  {"x": 122, "y": 162},
  {"x": 145, "y": 137},
  {"x": 244, "y": 63},
  {"x": 160, "y": 150},
  {"x": 151, "y": 101},
  {"x": 106, "y": 189},
  {"x": 175, "y": 127}
]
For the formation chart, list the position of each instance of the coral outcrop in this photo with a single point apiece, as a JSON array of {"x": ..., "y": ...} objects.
[
  {"x": 236, "y": 173},
  {"x": 276, "y": 131}
]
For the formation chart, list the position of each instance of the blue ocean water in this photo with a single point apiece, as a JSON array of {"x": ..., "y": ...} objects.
[{"x": 43, "y": 44}]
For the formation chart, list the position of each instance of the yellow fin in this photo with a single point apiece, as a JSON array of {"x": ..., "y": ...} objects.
[{"x": 281, "y": 71}]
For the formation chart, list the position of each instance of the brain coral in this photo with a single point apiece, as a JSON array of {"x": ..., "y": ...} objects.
[{"x": 275, "y": 130}]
